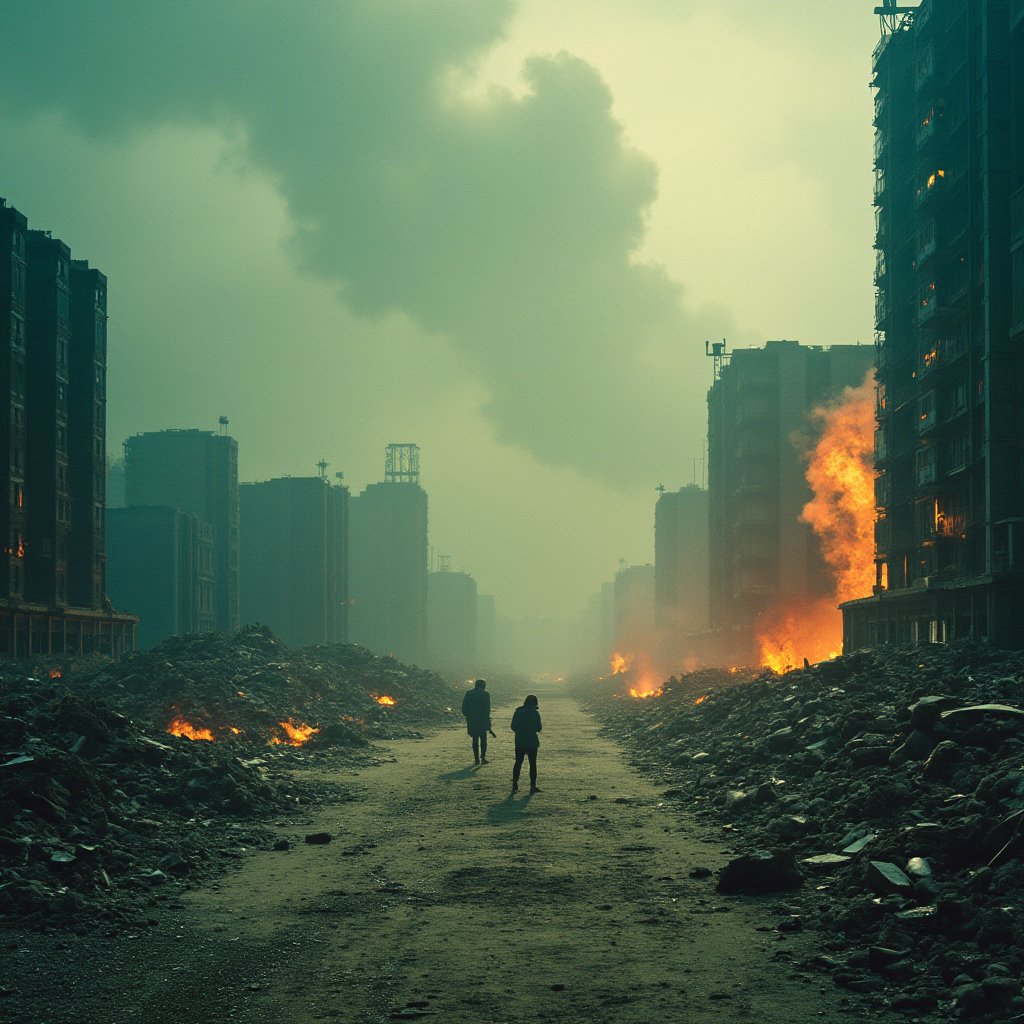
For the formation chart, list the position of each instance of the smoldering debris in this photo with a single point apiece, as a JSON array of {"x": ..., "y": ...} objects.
[
  {"x": 104, "y": 812},
  {"x": 882, "y": 795}
]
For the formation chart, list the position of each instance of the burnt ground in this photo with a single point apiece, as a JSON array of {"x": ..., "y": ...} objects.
[{"x": 441, "y": 894}]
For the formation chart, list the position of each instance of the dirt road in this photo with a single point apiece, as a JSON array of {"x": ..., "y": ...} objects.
[{"x": 443, "y": 894}]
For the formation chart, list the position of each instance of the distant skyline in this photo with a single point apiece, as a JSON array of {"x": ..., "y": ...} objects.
[{"x": 500, "y": 230}]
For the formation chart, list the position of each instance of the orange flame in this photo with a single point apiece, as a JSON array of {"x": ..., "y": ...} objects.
[
  {"x": 620, "y": 663},
  {"x": 296, "y": 733},
  {"x": 179, "y": 726},
  {"x": 840, "y": 472},
  {"x": 384, "y": 700},
  {"x": 701, "y": 699},
  {"x": 55, "y": 673},
  {"x": 643, "y": 694}
]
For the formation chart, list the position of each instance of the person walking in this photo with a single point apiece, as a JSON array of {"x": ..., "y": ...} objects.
[
  {"x": 476, "y": 706},
  {"x": 526, "y": 725}
]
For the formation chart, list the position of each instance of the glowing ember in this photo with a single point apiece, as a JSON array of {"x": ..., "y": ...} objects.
[
  {"x": 179, "y": 726},
  {"x": 384, "y": 701},
  {"x": 296, "y": 733},
  {"x": 620, "y": 663},
  {"x": 55, "y": 673},
  {"x": 840, "y": 472},
  {"x": 701, "y": 699},
  {"x": 236, "y": 730}
]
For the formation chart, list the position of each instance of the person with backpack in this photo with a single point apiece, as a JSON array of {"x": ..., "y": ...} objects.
[{"x": 526, "y": 725}]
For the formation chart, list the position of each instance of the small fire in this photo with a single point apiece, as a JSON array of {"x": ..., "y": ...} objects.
[
  {"x": 179, "y": 726},
  {"x": 296, "y": 733},
  {"x": 236, "y": 730},
  {"x": 384, "y": 700},
  {"x": 643, "y": 693},
  {"x": 55, "y": 673},
  {"x": 700, "y": 699},
  {"x": 840, "y": 472},
  {"x": 620, "y": 663}
]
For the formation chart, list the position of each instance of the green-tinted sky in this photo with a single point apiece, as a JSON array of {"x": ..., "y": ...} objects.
[{"x": 502, "y": 230}]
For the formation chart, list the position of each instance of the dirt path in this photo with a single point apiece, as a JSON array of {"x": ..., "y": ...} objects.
[{"x": 442, "y": 892}]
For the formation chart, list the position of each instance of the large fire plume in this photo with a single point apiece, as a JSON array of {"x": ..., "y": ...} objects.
[{"x": 840, "y": 472}]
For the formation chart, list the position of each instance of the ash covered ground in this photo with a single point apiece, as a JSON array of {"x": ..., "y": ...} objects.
[
  {"x": 877, "y": 798},
  {"x": 104, "y": 814}
]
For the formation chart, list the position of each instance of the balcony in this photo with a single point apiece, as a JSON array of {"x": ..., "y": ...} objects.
[
  {"x": 927, "y": 474},
  {"x": 879, "y": 185},
  {"x": 928, "y": 129},
  {"x": 934, "y": 185},
  {"x": 881, "y": 310},
  {"x": 880, "y": 267}
]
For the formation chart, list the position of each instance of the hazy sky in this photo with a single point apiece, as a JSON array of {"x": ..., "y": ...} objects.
[{"x": 499, "y": 229}]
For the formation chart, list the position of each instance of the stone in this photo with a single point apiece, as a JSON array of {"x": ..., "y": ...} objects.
[
  {"x": 885, "y": 878},
  {"x": 927, "y": 711},
  {"x": 942, "y": 760},
  {"x": 919, "y": 867},
  {"x": 823, "y": 862},
  {"x": 760, "y": 872},
  {"x": 319, "y": 838},
  {"x": 915, "y": 747},
  {"x": 858, "y": 845}
]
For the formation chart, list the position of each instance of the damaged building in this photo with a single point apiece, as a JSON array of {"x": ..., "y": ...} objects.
[
  {"x": 762, "y": 555},
  {"x": 949, "y": 199},
  {"x": 53, "y": 336}
]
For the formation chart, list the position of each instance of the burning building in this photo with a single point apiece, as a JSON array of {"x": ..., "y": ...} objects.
[
  {"x": 766, "y": 560},
  {"x": 388, "y": 559},
  {"x": 949, "y": 446},
  {"x": 194, "y": 471},
  {"x": 53, "y": 336},
  {"x": 293, "y": 547}
]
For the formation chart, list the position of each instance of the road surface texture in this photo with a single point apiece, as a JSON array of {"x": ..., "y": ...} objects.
[{"x": 442, "y": 895}]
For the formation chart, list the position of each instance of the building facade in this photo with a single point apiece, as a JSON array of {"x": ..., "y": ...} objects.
[
  {"x": 161, "y": 570},
  {"x": 762, "y": 556},
  {"x": 681, "y": 561},
  {"x": 633, "y": 608},
  {"x": 293, "y": 548},
  {"x": 53, "y": 321},
  {"x": 452, "y": 618},
  {"x": 949, "y": 198},
  {"x": 195, "y": 471},
  {"x": 388, "y": 556}
]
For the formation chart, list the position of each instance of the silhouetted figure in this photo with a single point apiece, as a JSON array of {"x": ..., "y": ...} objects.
[
  {"x": 476, "y": 706},
  {"x": 526, "y": 726}
]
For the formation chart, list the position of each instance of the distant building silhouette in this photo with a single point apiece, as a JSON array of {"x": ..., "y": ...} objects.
[
  {"x": 161, "y": 568},
  {"x": 451, "y": 620},
  {"x": 633, "y": 597},
  {"x": 388, "y": 560},
  {"x": 53, "y": 346},
  {"x": 195, "y": 471},
  {"x": 293, "y": 546},
  {"x": 681, "y": 561}
]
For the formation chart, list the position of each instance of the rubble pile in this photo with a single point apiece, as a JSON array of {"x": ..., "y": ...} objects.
[
  {"x": 102, "y": 811},
  {"x": 883, "y": 795}
]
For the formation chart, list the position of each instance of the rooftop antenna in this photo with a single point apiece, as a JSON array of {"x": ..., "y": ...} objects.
[
  {"x": 223, "y": 421},
  {"x": 444, "y": 563},
  {"x": 339, "y": 476},
  {"x": 402, "y": 463},
  {"x": 321, "y": 469},
  {"x": 716, "y": 350},
  {"x": 891, "y": 15},
  {"x": 660, "y": 488}
]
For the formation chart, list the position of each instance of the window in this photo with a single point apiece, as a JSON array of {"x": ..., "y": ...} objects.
[{"x": 17, "y": 331}]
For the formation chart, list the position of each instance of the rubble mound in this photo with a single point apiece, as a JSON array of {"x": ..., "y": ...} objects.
[
  {"x": 103, "y": 810},
  {"x": 894, "y": 782}
]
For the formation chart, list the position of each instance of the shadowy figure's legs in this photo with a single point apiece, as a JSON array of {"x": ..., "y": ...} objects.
[
  {"x": 483, "y": 748},
  {"x": 517, "y": 767},
  {"x": 532, "y": 755},
  {"x": 476, "y": 749}
]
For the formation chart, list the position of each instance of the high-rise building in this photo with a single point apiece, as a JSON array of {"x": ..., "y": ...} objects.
[
  {"x": 949, "y": 198},
  {"x": 13, "y": 395},
  {"x": 762, "y": 556},
  {"x": 634, "y": 607},
  {"x": 161, "y": 569},
  {"x": 681, "y": 561},
  {"x": 388, "y": 560},
  {"x": 195, "y": 471},
  {"x": 451, "y": 619},
  {"x": 486, "y": 629},
  {"x": 53, "y": 323},
  {"x": 293, "y": 548}
]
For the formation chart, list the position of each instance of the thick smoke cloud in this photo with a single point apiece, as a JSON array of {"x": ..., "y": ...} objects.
[{"x": 508, "y": 223}]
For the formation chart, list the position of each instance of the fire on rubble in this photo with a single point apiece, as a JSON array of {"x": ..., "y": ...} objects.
[
  {"x": 645, "y": 680},
  {"x": 181, "y": 726},
  {"x": 840, "y": 473},
  {"x": 384, "y": 700}
]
